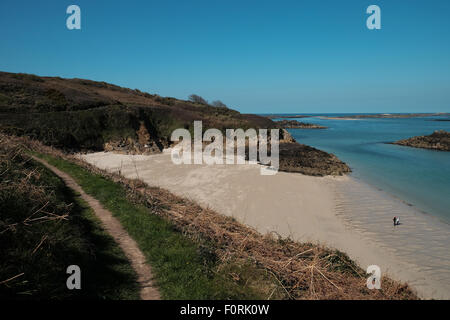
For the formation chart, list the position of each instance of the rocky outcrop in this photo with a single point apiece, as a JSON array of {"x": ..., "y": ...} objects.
[
  {"x": 131, "y": 146},
  {"x": 439, "y": 140},
  {"x": 144, "y": 144},
  {"x": 276, "y": 116},
  {"x": 388, "y": 116},
  {"x": 296, "y": 157},
  {"x": 286, "y": 137},
  {"x": 293, "y": 124}
]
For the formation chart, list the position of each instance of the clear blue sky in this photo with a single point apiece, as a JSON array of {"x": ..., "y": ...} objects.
[{"x": 256, "y": 56}]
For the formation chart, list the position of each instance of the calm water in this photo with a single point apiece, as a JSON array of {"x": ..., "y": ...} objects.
[{"x": 419, "y": 177}]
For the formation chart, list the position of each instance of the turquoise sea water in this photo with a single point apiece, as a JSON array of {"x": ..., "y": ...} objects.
[{"x": 419, "y": 177}]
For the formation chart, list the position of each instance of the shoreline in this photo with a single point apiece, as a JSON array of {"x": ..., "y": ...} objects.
[
  {"x": 304, "y": 208},
  {"x": 418, "y": 247}
]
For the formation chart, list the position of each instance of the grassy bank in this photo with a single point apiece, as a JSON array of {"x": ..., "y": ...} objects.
[
  {"x": 183, "y": 269},
  {"x": 44, "y": 228}
]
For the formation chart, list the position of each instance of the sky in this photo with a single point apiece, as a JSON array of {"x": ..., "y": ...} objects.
[{"x": 260, "y": 56}]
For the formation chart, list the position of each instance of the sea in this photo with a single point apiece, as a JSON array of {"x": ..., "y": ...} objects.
[
  {"x": 389, "y": 180},
  {"x": 419, "y": 177}
]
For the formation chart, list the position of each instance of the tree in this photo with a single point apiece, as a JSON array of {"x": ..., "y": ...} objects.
[
  {"x": 219, "y": 104},
  {"x": 197, "y": 99}
]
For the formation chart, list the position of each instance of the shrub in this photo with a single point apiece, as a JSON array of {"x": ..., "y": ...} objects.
[{"x": 197, "y": 99}]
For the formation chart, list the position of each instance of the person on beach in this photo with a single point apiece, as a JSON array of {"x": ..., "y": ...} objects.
[{"x": 396, "y": 221}]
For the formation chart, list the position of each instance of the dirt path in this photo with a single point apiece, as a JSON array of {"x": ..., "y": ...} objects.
[{"x": 115, "y": 229}]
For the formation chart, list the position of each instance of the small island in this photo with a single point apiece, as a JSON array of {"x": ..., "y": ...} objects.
[
  {"x": 293, "y": 124},
  {"x": 387, "y": 116},
  {"x": 276, "y": 116},
  {"x": 439, "y": 140}
]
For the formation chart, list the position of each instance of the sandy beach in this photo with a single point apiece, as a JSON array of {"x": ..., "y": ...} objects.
[{"x": 339, "y": 212}]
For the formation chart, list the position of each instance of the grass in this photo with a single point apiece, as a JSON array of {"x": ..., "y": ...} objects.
[
  {"x": 110, "y": 275},
  {"x": 44, "y": 228},
  {"x": 183, "y": 269}
]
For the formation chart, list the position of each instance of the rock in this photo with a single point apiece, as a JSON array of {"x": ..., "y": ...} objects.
[
  {"x": 293, "y": 124},
  {"x": 439, "y": 140},
  {"x": 286, "y": 137},
  {"x": 296, "y": 157}
]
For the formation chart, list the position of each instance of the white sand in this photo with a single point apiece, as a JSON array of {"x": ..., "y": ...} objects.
[{"x": 302, "y": 207}]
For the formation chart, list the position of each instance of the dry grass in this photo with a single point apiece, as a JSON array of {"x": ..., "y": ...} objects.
[
  {"x": 20, "y": 178},
  {"x": 44, "y": 227},
  {"x": 302, "y": 270}
]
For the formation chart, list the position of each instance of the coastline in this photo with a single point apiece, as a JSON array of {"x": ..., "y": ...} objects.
[{"x": 304, "y": 208}]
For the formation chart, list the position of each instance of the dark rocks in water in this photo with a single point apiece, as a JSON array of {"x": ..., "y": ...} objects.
[
  {"x": 276, "y": 116},
  {"x": 389, "y": 116},
  {"x": 293, "y": 124},
  {"x": 296, "y": 157},
  {"x": 439, "y": 140}
]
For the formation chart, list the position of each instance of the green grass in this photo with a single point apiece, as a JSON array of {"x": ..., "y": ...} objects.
[
  {"x": 109, "y": 275},
  {"x": 79, "y": 239},
  {"x": 183, "y": 269}
]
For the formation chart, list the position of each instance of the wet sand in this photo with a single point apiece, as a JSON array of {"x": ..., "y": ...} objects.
[{"x": 338, "y": 212}]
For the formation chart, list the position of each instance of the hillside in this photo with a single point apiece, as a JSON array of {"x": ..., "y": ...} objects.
[
  {"x": 83, "y": 115},
  {"x": 76, "y": 113}
]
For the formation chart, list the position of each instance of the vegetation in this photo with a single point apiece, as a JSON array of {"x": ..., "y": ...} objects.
[
  {"x": 182, "y": 268},
  {"x": 44, "y": 228},
  {"x": 78, "y": 114},
  {"x": 197, "y": 99},
  {"x": 219, "y": 104}
]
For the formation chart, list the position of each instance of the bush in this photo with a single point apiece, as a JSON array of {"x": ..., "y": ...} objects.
[
  {"x": 219, "y": 104},
  {"x": 197, "y": 99}
]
